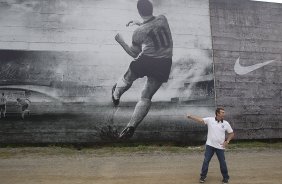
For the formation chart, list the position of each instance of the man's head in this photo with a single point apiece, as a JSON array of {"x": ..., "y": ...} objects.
[
  {"x": 219, "y": 113},
  {"x": 3, "y": 94},
  {"x": 145, "y": 8}
]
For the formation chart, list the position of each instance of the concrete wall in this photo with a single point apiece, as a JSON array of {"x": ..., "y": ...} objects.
[
  {"x": 63, "y": 56},
  {"x": 250, "y": 33}
]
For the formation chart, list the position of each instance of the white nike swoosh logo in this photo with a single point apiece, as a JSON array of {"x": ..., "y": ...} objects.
[{"x": 242, "y": 70}]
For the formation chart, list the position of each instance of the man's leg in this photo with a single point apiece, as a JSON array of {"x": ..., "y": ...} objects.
[
  {"x": 122, "y": 85},
  {"x": 208, "y": 155},
  {"x": 142, "y": 107},
  {"x": 223, "y": 167}
]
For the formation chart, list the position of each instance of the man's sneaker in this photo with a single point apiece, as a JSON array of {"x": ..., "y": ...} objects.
[
  {"x": 115, "y": 101},
  {"x": 127, "y": 132},
  {"x": 202, "y": 180},
  {"x": 224, "y": 181}
]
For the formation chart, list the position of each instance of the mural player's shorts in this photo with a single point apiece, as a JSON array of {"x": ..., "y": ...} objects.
[
  {"x": 158, "y": 68},
  {"x": 2, "y": 107},
  {"x": 24, "y": 107}
]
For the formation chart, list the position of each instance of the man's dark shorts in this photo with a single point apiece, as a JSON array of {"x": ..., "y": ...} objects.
[{"x": 159, "y": 68}]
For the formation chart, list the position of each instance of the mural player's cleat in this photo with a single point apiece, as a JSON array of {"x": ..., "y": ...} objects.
[
  {"x": 115, "y": 101},
  {"x": 127, "y": 133}
]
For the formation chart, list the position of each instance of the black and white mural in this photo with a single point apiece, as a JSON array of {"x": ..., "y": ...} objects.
[
  {"x": 62, "y": 59},
  {"x": 59, "y": 61}
]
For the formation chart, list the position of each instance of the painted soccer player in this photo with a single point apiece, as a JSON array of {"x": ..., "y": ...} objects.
[
  {"x": 24, "y": 103},
  {"x": 152, "y": 52}
]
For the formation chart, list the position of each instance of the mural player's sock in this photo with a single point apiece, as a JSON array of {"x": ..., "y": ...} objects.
[
  {"x": 140, "y": 111},
  {"x": 122, "y": 86}
]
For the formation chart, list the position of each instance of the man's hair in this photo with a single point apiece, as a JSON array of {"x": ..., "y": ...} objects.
[
  {"x": 218, "y": 110},
  {"x": 2, "y": 94},
  {"x": 145, "y": 7}
]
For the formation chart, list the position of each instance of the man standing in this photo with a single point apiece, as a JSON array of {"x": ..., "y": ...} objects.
[
  {"x": 152, "y": 49},
  {"x": 216, "y": 142},
  {"x": 3, "y": 102}
]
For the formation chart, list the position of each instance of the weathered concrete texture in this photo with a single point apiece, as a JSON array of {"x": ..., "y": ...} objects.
[{"x": 252, "y": 32}]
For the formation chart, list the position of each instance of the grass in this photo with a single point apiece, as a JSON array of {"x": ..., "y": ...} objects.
[
  {"x": 10, "y": 151},
  {"x": 255, "y": 145}
]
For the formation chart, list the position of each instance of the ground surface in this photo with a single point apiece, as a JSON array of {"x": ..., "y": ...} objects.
[{"x": 53, "y": 165}]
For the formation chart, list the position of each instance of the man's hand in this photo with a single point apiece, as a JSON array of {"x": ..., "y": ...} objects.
[
  {"x": 119, "y": 38},
  {"x": 225, "y": 144},
  {"x": 229, "y": 138},
  {"x": 133, "y": 22}
]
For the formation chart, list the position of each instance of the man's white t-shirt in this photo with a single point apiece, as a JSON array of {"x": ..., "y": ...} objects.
[{"x": 216, "y": 132}]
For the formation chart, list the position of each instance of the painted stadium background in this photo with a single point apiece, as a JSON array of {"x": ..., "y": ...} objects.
[{"x": 62, "y": 56}]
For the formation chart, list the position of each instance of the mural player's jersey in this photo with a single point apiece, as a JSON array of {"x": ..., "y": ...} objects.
[
  {"x": 23, "y": 102},
  {"x": 3, "y": 100},
  {"x": 154, "y": 37}
]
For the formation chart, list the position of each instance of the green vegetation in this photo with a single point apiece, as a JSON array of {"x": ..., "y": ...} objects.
[
  {"x": 127, "y": 148},
  {"x": 255, "y": 145}
]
